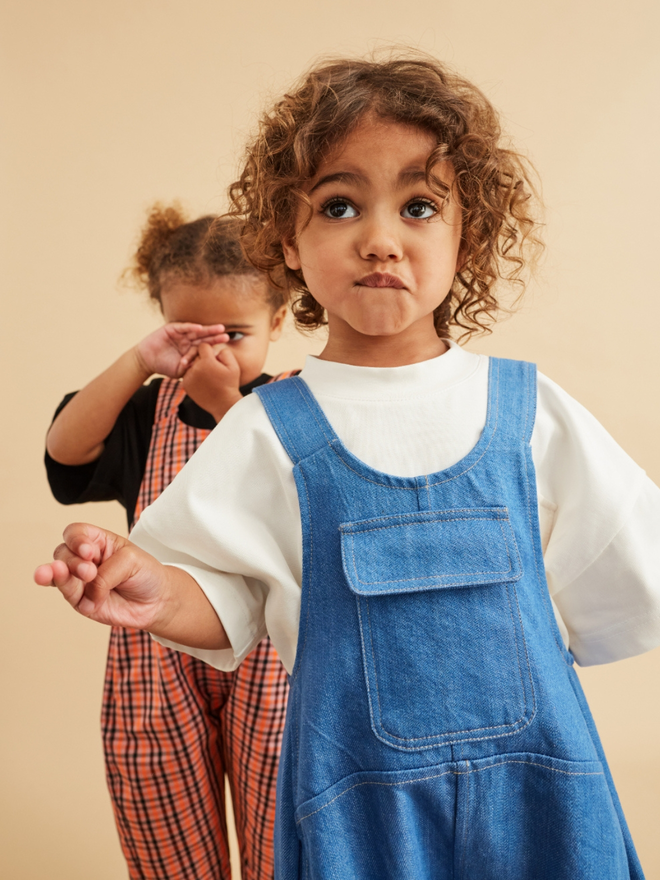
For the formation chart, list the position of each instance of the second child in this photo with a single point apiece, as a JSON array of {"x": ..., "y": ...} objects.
[{"x": 173, "y": 725}]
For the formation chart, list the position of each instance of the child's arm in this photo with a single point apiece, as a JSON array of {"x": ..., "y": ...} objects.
[
  {"x": 77, "y": 434},
  {"x": 108, "y": 579}
]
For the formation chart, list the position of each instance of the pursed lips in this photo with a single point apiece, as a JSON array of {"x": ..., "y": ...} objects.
[{"x": 381, "y": 279}]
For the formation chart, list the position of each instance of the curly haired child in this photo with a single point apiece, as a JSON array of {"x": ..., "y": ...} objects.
[
  {"x": 173, "y": 725},
  {"x": 430, "y": 537}
]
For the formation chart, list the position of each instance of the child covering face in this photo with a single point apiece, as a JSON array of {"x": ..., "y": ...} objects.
[
  {"x": 429, "y": 536},
  {"x": 173, "y": 726}
]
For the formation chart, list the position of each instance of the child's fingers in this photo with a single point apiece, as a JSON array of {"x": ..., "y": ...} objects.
[
  {"x": 57, "y": 574},
  {"x": 89, "y": 543},
  {"x": 206, "y": 356},
  {"x": 207, "y": 351},
  {"x": 83, "y": 585},
  {"x": 214, "y": 338},
  {"x": 83, "y": 569},
  {"x": 192, "y": 365},
  {"x": 44, "y": 575},
  {"x": 192, "y": 328},
  {"x": 206, "y": 346},
  {"x": 187, "y": 360},
  {"x": 212, "y": 355},
  {"x": 75, "y": 562},
  {"x": 113, "y": 573},
  {"x": 214, "y": 342},
  {"x": 66, "y": 564},
  {"x": 93, "y": 562},
  {"x": 196, "y": 333},
  {"x": 228, "y": 359}
]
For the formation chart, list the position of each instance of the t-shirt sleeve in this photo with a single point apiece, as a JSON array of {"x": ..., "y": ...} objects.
[
  {"x": 231, "y": 519},
  {"x": 117, "y": 474},
  {"x": 625, "y": 579},
  {"x": 602, "y": 541}
]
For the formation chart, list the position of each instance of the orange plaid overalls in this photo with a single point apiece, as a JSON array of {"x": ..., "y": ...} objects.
[{"x": 173, "y": 726}]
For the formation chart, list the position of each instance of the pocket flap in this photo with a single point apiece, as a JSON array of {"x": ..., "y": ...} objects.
[{"x": 410, "y": 552}]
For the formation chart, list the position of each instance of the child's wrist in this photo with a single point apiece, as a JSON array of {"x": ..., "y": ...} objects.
[
  {"x": 141, "y": 366},
  {"x": 186, "y": 616},
  {"x": 169, "y": 609},
  {"x": 222, "y": 405}
]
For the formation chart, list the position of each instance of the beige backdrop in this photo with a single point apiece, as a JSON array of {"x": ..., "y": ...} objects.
[{"x": 108, "y": 106}]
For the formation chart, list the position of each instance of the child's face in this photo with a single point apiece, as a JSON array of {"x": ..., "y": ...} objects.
[
  {"x": 238, "y": 302},
  {"x": 377, "y": 253}
]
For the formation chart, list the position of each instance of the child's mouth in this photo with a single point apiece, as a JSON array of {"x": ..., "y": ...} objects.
[{"x": 381, "y": 279}]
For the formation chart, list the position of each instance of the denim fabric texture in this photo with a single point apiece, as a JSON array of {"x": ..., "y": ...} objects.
[{"x": 436, "y": 728}]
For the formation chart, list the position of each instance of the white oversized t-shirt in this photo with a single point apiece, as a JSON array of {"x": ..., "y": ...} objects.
[{"x": 231, "y": 517}]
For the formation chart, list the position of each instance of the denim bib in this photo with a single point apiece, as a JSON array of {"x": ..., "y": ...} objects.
[{"x": 436, "y": 728}]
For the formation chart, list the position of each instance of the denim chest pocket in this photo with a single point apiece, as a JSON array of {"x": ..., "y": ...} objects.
[{"x": 442, "y": 638}]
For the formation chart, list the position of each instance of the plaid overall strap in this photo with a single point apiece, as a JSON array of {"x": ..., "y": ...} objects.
[
  {"x": 172, "y": 444},
  {"x": 173, "y": 726}
]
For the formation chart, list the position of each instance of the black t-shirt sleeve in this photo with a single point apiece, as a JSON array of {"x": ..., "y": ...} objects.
[{"x": 117, "y": 474}]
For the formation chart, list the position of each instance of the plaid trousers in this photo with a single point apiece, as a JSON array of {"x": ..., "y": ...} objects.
[{"x": 173, "y": 726}]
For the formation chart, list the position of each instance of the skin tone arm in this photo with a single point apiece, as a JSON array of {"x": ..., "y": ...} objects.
[
  {"x": 108, "y": 579},
  {"x": 77, "y": 434}
]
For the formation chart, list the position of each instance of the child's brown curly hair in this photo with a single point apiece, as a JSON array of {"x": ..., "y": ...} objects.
[
  {"x": 493, "y": 184},
  {"x": 196, "y": 251}
]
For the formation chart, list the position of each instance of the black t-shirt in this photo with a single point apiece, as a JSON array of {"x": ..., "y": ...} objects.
[{"x": 116, "y": 475}]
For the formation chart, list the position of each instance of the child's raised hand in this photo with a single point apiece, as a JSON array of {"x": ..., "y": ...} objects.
[
  {"x": 106, "y": 578},
  {"x": 171, "y": 349},
  {"x": 213, "y": 379}
]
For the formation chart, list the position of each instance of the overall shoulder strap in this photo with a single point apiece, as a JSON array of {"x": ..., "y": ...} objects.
[
  {"x": 512, "y": 397},
  {"x": 170, "y": 395},
  {"x": 296, "y": 416}
]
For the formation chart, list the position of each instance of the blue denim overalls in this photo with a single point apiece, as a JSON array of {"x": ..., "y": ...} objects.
[{"x": 436, "y": 728}]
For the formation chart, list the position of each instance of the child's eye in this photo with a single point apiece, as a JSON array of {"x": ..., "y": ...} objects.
[
  {"x": 419, "y": 209},
  {"x": 338, "y": 209},
  {"x": 235, "y": 335}
]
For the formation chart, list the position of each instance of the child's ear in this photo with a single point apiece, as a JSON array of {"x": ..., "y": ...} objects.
[
  {"x": 277, "y": 323},
  {"x": 291, "y": 257}
]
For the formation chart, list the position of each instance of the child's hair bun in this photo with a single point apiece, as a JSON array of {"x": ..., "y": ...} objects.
[
  {"x": 222, "y": 251},
  {"x": 223, "y": 254},
  {"x": 171, "y": 246},
  {"x": 155, "y": 253}
]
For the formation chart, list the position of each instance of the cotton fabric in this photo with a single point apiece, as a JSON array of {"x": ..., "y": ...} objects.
[{"x": 232, "y": 517}]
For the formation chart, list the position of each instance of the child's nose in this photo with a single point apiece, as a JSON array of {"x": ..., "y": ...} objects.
[{"x": 380, "y": 240}]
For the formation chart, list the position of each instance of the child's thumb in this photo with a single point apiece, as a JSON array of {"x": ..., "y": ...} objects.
[
  {"x": 227, "y": 358},
  {"x": 207, "y": 352},
  {"x": 113, "y": 572}
]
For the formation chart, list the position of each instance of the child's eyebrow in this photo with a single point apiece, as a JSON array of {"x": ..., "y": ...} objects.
[
  {"x": 238, "y": 327},
  {"x": 411, "y": 175},
  {"x": 338, "y": 177},
  {"x": 406, "y": 177}
]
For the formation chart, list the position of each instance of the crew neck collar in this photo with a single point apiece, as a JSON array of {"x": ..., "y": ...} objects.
[{"x": 346, "y": 381}]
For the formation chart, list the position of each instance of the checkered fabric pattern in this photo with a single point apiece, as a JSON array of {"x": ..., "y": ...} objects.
[{"x": 173, "y": 726}]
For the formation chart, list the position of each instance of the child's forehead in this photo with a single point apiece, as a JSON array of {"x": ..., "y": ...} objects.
[
  {"x": 401, "y": 149},
  {"x": 237, "y": 291}
]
